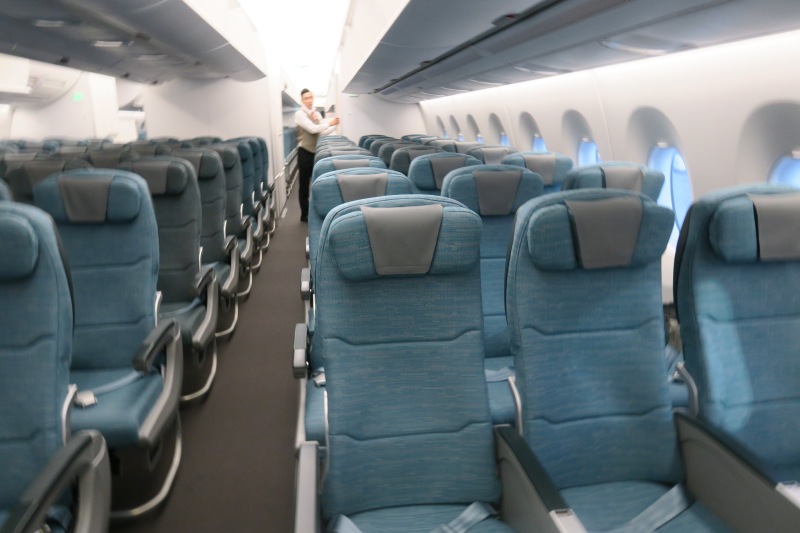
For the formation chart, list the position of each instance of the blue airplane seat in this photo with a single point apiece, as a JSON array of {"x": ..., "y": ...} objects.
[
  {"x": 128, "y": 366},
  {"x": 737, "y": 268},
  {"x": 409, "y": 448},
  {"x": 327, "y": 192},
  {"x": 189, "y": 289},
  {"x": 427, "y": 172},
  {"x": 403, "y": 156},
  {"x": 616, "y": 175},
  {"x": 376, "y": 144},
  {"x": 39, "y": 458},
  {"x": 330, "y": 150},
  {"x": 495, "y": 192},
  {"x": 387, "y": 149},
  {"x": 22, "y": 175},
  {"x": 250, "y": 203},
  {"x": 5, "y": 192},
  {"x": 584, "y": 311},
  {"x": 219, "y": 250},
  {"x": 109, "y": 155},
  {"x": 551, "y": 166}
]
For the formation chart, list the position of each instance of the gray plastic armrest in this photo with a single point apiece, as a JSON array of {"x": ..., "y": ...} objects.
[
  {"x": 165, "y": 408},
  {"x": 299, "y": 360},
  {"x": 308, "y": 249},
  {"x": 531, "y": 502},
  {"x": 246, "y": 256},
  {"x": 84, "y": 459},
  {"x": 305, "y": 283},
  {"x": 258, "y": 222},
  {"x": 306, "y": 510},
  {"x": 205, "y": 333},
  {"x": 731, "y": 482},
  {"x": 228, "y": 287}
]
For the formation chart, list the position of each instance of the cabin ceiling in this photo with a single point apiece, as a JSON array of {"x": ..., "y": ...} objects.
[
  {"x": 440, "y": 48},
  {"x": 148, "y": 41}
]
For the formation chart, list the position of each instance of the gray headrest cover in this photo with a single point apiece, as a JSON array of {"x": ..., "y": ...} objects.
[
  {"x": 33, "y": 173},
  {"x": 606, "y": 231},
  {"x": 343, "y": 152},
  {"x": 442, "y": 165},
  {"x": 341, "y": 164},
  {"x": 195, "y": 158},
  {"x": 542, "y": 164},
  {"x": 358, "y": 186},
  {"x": 497, "y": 190},
  {"x": 494, "y": 156},
  {"x": 629, "y": 178},
  {"x": 778, "y": 224},
  {"x": 403, "y": 239},
  {"x": 84, "y": 200},
  {"x": 414, "y": 153}
]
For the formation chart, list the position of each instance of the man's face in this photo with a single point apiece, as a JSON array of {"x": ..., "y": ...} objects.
[{"x": 308, "y": 99}]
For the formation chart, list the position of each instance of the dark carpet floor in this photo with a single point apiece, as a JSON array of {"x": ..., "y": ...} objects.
[{"x": 237, "y": 470}]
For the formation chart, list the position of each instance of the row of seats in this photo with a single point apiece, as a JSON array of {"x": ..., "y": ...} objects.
[
  {"x": 151, "y": 256},
  {"x": 409, "y": 438}
]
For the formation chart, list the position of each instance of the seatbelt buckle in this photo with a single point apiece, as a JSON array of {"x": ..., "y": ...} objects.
[
  {"x": 319, "y": 380},
  {"x": 85, "y": 398}
]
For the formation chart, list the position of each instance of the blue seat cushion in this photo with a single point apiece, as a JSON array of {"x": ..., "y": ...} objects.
[
  {"x": 608, "y": 505},
  {"x": 419, "y": 519},
  {"x": 118, "y": 414},
  {"x": 188, "y": 315},
  {"x": 501, "y": 401}
]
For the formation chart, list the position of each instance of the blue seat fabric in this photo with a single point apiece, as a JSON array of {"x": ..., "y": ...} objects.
[{"x": 328, "y": 164}]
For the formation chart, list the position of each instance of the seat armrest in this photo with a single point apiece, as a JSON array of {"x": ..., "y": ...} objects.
[
  {"x": 257, "y": 222},
  {"x": 300, "y": 360},
  {"x": 206, "y": 283},
  {"x": 305, "y": 284},
  {"x": 159, "y": 338},
  {"x": 731, "y": 481},
  {"x": 229, "y": 286},
  {"x": 531, "y": 502},
  {"x": 307, "y": 517},
  {"x": 308, "y": 249},
  {"x": 84, "y": 459},
  {"x": 166, "y": 336},
  {"x": 246, "y": 255}
]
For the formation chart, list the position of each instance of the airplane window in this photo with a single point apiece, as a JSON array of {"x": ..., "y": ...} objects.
[
  {"x": 677, "y": 191},
  {"x": 786, "y": 171},
  {"x": 479, "y": 138},
  {"x": 460, "y": 136},
  {"x": 588, "y": 153},
  {"x": 538, "y": 144},
  {"x": 504, "y": 139},
  {"x": 445, "y": 135}
]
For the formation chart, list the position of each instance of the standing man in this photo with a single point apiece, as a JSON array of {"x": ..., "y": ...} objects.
[{"x": 309, "y": 127}]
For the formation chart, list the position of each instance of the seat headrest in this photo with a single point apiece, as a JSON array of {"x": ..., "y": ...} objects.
[
  {"x": 617, "y": 175},
  {"x": 342, "y": 164},
  {"x": 429, "y": 239},
  {"x": 358, "y": 186},
  {"x": 19, "y": 246},
  {"x": 229, "y": 156},
  {"x": 441, "y": 166},
  {"x": 598, "y": 231},
  {"x": 165, "y": 176},
  {"x": 757, "y": 227},
  {"x": 207, "y": 164},
  {"x": 542, "y": 164},
  {"x": 110, "y": 157},
  {"x": 94, "y": 196},
  {"x": 492, "y": 190},
  {"x": 26, "y": 175}
]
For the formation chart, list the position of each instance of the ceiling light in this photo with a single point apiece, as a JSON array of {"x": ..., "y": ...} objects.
[
  {"x": 151, "y": 57},
  {"x": 492, "y": 83},
  {"x": 431, "y": 94},
  {"x": 541, "y": 72},
  {"x": 641, "y": 50},
  {"x": 53, "y": 23},
  {"x": 109, "y": 44},
  {"x": 455, "y": 90}
]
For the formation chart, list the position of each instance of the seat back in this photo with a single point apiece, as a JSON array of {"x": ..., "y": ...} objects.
[
  {"x": 206, "y": 140},
  {"x": 736, "y": 269},
  {"x": 5, "y": 192},
  {"x": 402, "y": 157},
  {"x": 491, "y": 154},
  {"x": 375, "y": 145},
  {"x": 403, "y": 276},
  {"x": 551, "y": 166},
  {"x": 108, "y": 227},
  {"x": 386, "y": 151},
  {"x": 495, "y": 192},
  {"x": 427, "y": 172},
  {"x": 26, "y": 174},
  {"x": 342, "y": 162},
  {"x": 616, "y": 175},
  {"x": 211, "y": 181},
  {"x": 176, "y": 200},
  {"x": 232, "y": 165},
  {"x": 247, "y": 162},
  {"x": 10, "y": 160},
  {"x": 584, "y": 310},
  {"x": 35, "y": 347},
  {"x": 149, "y": 148},
  {"x": 262, "y": 144}
]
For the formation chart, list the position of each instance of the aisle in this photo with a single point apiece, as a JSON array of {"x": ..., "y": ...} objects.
[{"x": 237, "y": 471}]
